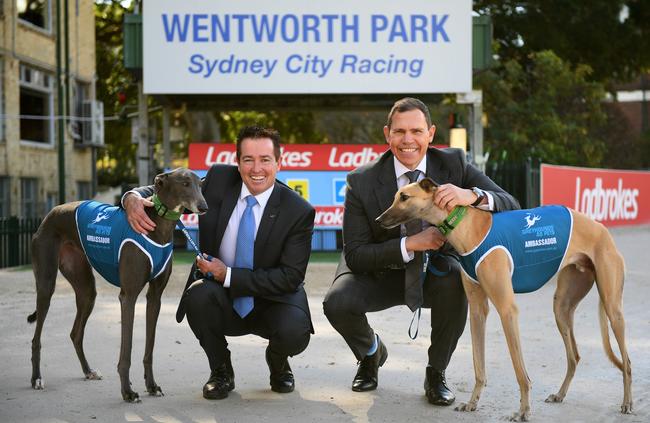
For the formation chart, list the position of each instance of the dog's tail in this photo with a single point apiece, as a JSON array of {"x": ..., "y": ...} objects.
[
  {"x": 32, "y": 317},
  {"x": 604, "y": 331}
]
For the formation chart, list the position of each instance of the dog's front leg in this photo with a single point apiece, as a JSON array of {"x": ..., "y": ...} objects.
[
  {"x": 132, "y": 279},
  {"x": 156, "y": 288},
  {"x": 478, "y": 310},
  {"x": 494, "y": 276},
  {"x": 127, "y": 302}
]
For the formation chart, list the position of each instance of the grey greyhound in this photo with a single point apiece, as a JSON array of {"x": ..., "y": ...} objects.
[{"x": 59, "y": 244}]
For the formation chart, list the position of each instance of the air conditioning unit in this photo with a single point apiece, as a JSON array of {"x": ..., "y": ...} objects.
[{"x": 92, "y": 125}]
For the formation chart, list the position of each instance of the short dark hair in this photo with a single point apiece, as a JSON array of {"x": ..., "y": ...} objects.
[
  {"x": 257, "y": 132},
  {"x": 407, "y": 104}
]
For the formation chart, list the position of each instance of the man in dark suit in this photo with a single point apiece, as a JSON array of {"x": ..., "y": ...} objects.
[
  {"x": 258, "y": 233},
  {"x": 382, "y": 268}
]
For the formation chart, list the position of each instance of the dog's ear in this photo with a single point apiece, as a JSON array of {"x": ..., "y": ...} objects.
[
  {"x": 159, "y": 180},
  {"x": 428, "y": 184}
]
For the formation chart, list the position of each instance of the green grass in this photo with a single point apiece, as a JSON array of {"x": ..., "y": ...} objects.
[{"x": 187, "y": 257}]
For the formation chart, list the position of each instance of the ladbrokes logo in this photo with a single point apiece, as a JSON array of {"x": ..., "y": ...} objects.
[
  {"x": 351, "y": 158},
  {"x": 329, "y": 217},
  {"x": 293, "y": 159},
  {"x": 600, "y": 203}
]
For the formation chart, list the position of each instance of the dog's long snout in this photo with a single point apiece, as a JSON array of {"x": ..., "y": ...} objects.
[
  {"x": 385, "y": 221},
  {"x": 202, "y": 207}
]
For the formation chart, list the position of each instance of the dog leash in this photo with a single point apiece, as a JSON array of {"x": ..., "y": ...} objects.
[
  {"x": 427, "y": 266},
  {"x": 183, "y": 229}
]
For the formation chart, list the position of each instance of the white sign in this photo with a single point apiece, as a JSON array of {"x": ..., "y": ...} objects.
[{"x": 307, "y": 47}]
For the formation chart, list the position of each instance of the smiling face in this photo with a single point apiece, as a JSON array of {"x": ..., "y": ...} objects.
[
  {"x": 409, "y": 137},
  {"x": 257, "y": 164}
]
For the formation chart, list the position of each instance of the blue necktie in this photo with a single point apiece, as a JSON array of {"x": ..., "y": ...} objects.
[{"x": 244, "y": 252}]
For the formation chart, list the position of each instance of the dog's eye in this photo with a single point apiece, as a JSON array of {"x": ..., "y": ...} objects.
[{"x": 403, "y": 197}]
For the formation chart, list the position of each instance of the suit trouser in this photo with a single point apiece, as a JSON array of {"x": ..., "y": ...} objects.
[
  {"x": 212, "y": 318},
  {"x": 351, "y": 296}
]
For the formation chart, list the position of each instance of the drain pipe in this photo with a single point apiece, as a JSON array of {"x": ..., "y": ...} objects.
[{"x": 60, "y": 112}]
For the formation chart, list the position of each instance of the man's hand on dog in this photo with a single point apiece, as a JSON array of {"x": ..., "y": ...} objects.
[
  {"x": 449, "y": 196},
  {"x": 208, "y": 264},
  {"x": 135, "y": 214},
  {"x": 428, "y": 239}
]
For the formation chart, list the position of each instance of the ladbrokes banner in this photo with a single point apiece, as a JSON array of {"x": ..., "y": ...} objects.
[
  {"x": 316, "y": 172},
  {"x": 294, "y": 156},
  {"x": 612, "y": 197}
]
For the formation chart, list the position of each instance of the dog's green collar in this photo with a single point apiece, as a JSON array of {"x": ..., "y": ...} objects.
[
  {"x": 163, "y": 211},
  {"x": 452, "y": 220}
]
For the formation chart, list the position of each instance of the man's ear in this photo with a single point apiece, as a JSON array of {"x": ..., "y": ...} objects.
[{"x": 428, "y": 184}]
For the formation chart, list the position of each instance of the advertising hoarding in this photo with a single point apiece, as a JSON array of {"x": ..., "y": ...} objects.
[{"x": 612, "y": 197}]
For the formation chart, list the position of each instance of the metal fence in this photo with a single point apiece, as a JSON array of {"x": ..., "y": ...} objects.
[
  {"x": 521, "y": 179},
  {"x": 16, "y": 240}
]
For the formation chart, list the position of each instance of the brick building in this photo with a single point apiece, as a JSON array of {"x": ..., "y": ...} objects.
[{"x": 29, "y": 132}]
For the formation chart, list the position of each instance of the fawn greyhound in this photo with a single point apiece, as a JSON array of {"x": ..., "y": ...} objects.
[
  {"x": 68, "y": 239},
  {"x": 491, "y": 270}
]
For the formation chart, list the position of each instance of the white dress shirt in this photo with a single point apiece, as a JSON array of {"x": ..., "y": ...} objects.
[{"x": 229, "y": 240}]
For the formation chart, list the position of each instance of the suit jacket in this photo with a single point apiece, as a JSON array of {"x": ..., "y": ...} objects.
[
  {"x": 368, "y": 247},
  {"x": 282, "y": 245}
]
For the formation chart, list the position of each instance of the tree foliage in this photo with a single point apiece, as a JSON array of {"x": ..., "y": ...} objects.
[
  {"x": 116, "y": 164},
  {"x": 610, "y": 36},
  {"x": 547, "y": 109}
]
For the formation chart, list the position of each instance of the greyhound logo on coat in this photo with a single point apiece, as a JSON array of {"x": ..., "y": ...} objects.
[
  {"x": 100, "y": 216},
  {"x": 531, "y": 219}
]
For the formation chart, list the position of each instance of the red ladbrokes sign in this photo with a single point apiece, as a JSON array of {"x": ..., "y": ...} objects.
[
  {"x": 613, "y": 197},
  {"x": 294, "y": 156}
]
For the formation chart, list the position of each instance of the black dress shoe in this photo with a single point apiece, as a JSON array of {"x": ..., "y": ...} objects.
[
  {"x": 281, "y": 375},
  {"x": 436, "y": 389},
  {"x": 222, "y": 381},
  {"x": 366, "y": 377}
]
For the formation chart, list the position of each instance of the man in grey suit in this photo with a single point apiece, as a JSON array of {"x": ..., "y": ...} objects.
[{"x": 382, "y": 268}]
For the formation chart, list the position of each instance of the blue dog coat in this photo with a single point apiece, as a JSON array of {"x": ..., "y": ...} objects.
[
  {"x": 535, "y": 240},
  {"x": 104, "y": 230}
]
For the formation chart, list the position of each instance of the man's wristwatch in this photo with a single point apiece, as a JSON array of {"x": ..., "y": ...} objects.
[{"x": 480, "y": 195}]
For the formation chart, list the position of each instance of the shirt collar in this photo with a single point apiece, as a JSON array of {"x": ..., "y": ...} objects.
[
  {"x": 262, "y": 198},
  {"x": 400, "y": 169}
]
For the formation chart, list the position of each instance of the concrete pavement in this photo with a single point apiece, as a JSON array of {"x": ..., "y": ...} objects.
[{"x": 325, "y": 370}]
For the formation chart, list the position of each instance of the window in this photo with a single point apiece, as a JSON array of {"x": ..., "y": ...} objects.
[
  {"x": 83, "y": 190},
  {"x": 36, "y": 106},
  {"x": 80, "y": 93},
  {"x": 28, "y": 197},
  {"x": 36, "y": 12},
  {"x": 2, "y": 97},
  {"x": 51, "y": 201},
  {"x": 4, "y": 196}
]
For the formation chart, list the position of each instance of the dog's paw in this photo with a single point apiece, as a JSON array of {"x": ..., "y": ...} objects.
[
  {"x": 554, "y": 398},
  {"x": 626, "y": 408},
  {"x": 131, "y": 397},
  {"x": 466, "y": 407},
  {"x": 38, "y": 384},
  {"x": 94, "y": 375},
  {"x": 520, "y": 416},
  {"x": 155, "y": 391}
]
